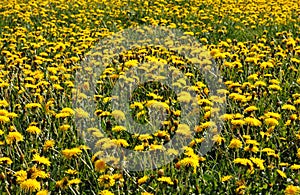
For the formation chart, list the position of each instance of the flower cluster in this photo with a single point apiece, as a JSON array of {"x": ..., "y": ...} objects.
[{"x": 254, "y": 43}]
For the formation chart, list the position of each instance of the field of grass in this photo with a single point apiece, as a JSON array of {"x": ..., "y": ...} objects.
[{"x": 253, "y": 119}]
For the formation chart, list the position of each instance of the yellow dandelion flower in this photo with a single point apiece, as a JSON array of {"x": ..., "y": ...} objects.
[
  {"x": 62, "y": 115},
  {"x": 104, "y": 114},
  {"x": 252, "y": 121},
  {"x": 63, "y": 183},
  {"x": 240, "y": 189},
  {"x": 244, "y": 161},
  {"x": 71, "y": 171},
  {"x": 139, "y": 148},
  {"x": 41, "y": 160},
  {"x": 271, "y": 122},
  {"x": 118, "y": 128},
  {"x": 105, "y": 192},
  {"x": 281, "y": 173},
  {"x": 100, "y": 165},
  {"x": 235, "y": 143},
  {"x": 166, "y": 180},
  {"x": 64, "y": 127},
  {"x": 21, "y": 175},
  {"x": 190, "y": 152},
  {"x": 143, "y": 180},
  {"x": 68, "y": 110},
  {"x": 48, "y": 144},
  {"x": 295, "y": 167},
  {"x": 139, "y": 105},
  {"x": 283, "y": 164},
  {"x": 273, "y": 115},
  {"x": 288, "y": 107},
  {"x": 258, "y": 162},
  {"x": 57, "y": 86},
  {"x": 3, "y": 112},
  {"x": 275, "y": 87},
  {"x": 227, "y": 117},
  {"x": 252, "y": 146},
  {"x": 3, "y": 103},
  {"x": 190, "y": 162},
  {"x": 120, "y": 142},
  {"x": 146, "y": 193},
  {"x": 268, "y": 150},
  {"x": 144, "y": 137},
  {"x": 106, "y": 181},
  {"x": 30, "y": 185},
  {"x": 14, "y": 137},
  {"x": 250, "y": 109},
  {"x": 154, "y": 96},
  {"x": 293, "y": 117},
  {"x": 4, "y": 119},
  {"x": 298, "y": 153},
  {"x": 238, "y": 122},
  {"x": 226, "y": 178},
  {"x": 205, "y": 125},
  {"x": 297, "y": 101},
  {"x": 292, "y": 190},
  {"x": 33, "y": 105},
  {"x": 156, "y": 147},
  {"x": 69, "y": 153},
  {"x": 253, "y": 77},
  {"x": 218, "y": 139},
  {"x": 253, "y": 142},
  {"x": 5, "y": 160},
  {"x": 42, "y": 192},
  {"x": 74, "y": 181},
  {"x": 38, "y": 173},
  {"x": 131, "y": 63},
  {"x": 260, "y": 84},
  {"x": 238, "y": 97},
  {"x": 33, "y": 130},
  {"x": 12, "y": 115}
]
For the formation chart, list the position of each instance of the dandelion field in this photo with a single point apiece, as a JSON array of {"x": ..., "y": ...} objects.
[{"x": 254, "y": 43}]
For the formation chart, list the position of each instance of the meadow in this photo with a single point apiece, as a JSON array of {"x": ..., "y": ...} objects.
[{"x": 44, "y": 44}]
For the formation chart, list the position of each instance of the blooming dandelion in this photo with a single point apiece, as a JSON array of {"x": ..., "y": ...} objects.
[
  {"x": 295, "y": 167},
  {"x": 143, "y": 180},
  {"x": 281, "y": 173},
  {"x": 292, "y": 190},
  {"x": 226, "y": 178},
  {"x": 30, "y": 185},
  {"x": 33, "y": 105},
  {"x": 235, "y": 143},
  {"x": 41, "y": 160},
  {"x": 166, "y": 180},
  {"x": 70, "y": 153},
  {"x": 33, "y": 130},
  {"x": 289, "y": 107},
  {"x": 42, "y": 192},
  {"x": 106, "y": 181},
  {"x": 100, "y": 165},
  {"x": 14, "y": 137},
  {"x": 5, "y": 160},
  {"x": 105, "y": 192}
]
